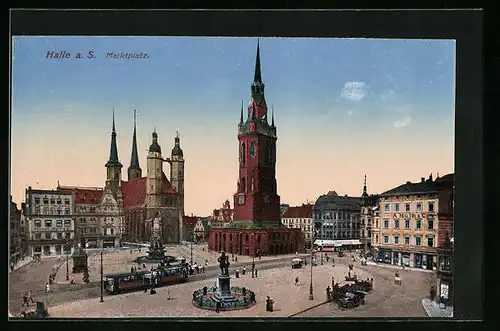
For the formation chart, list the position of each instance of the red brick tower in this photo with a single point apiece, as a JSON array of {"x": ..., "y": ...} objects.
[
  {"x": 256, "y": 198},
  {"x": 256, "y": 226}
]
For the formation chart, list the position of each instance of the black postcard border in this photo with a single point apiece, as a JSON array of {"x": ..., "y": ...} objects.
[{"x": 465, "y": 26}]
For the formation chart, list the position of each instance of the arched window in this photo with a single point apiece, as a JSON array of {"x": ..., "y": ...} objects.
[
  {"x": 252, "y": 185},
  {"x": 242, "y": 154},
  {"x": 252, "y": 149}
]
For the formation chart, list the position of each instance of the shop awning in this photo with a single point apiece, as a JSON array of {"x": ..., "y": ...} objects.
[{"x": 337, "y": 243}]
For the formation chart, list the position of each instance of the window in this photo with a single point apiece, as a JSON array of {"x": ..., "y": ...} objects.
[
  {"x": 67, "y": 235},
  {"x": 419, "y": 224},
  {"x": 376, "y": 223},
  {"x": 396, "y": 207},
  {"x": 419, "y": 206},
  {"x": 386, "y": 224},
  {"x": 38, "y": 223},
  {"x": 431, "y": 206},
  {"x": 252, "y": 149},
  {"x": 112, "y": 231},
  {"x": 66, "y": 211},
  {"x": 58, "y": 249},
  {"x": 396, "y": 240},
  {"x": 48, "y": 223},
  {"x": 396, "y": 224},
  {"x": 59, "y": 235},
  {"x": 386, "y": 239},
  {"x": 387, "y": 207},
  {"x": 38, "y": 236},
  {"x": 66, "y": 201},
  {"x": 37, "y": 200},
  {"x": 59, "y": 201},
  {"x": 376, "y": 238},
  {"x": 430, "y": 224},
  {"x": 266, "y": 199},
  {"x": 418, "y": 241},
  {"x": 52, "y": 201},
  {"x": 46, "y": 201},
  {"x": 59, "y": 223},
  {"x": 430, "y": 242},
  {"x": 407, "y": 224},
  {"x": 407, "y": 207},
  {"x": 48, "y": 235},
  {"x": 242, "y": 154},
  {"x": 407, "y": 240}
]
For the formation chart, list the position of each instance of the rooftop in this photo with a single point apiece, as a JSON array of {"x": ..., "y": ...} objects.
[{"x": 304, "y": 211}]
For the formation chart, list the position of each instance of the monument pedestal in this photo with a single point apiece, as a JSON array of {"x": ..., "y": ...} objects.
[{"x": 224, "y": 291}]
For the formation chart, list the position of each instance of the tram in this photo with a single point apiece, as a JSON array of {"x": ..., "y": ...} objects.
[{"x": 125, "y": 282}]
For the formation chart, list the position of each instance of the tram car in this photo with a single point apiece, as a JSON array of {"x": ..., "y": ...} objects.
[{"x": 139, "y": 280}]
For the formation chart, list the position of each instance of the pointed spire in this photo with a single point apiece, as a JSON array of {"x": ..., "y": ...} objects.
[
  {"x": 155, "y": 147},
  {"x": 113, "y": 151},
  {"x": 365, "y": 192},
  {"x": 177, "y": 150},
  {"x": 134, "y": 159},
  {"x": 241, "y": 113},
  {"x": 257, "y": 76},
  {"x": 272, "y": 115}
]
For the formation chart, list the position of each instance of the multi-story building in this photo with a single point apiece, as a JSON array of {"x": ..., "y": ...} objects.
[
  {"x": 201, "y": 229},
  {"x": 445, "y": 243},
  {"x": 188, "y": 226},
  {"x": 300, "y": 217},
  {"x": 368, "y": 204},
  {"x": 15, "y": 232},
  {"x": 51, "y": 224},
  {"x": 337, "y": 217},
  {"x": 222, "y": 215},
  {"x": 407, "y": 225}
]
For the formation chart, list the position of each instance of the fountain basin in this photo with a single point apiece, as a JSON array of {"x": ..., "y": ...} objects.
[{"x": 240, "y": 298}]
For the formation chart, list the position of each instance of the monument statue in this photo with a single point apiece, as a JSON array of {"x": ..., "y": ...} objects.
[{"x": 223, "y": 263}]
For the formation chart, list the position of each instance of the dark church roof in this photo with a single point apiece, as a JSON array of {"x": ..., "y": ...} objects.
[{"x": 332, "y": 200}]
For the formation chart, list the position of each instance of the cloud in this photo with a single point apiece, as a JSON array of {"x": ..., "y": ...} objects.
[
  {"x": 349, "y": 112},
  {"x": 387, "y": 95},
  {"x": 403, "y": 122},
  {"x": 354, "y": 91}
]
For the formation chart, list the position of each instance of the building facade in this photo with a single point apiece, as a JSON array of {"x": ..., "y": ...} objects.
[
  {"x": 124, "y": 210},
  {"x": 15, "y": 233},
  {"x": 51, "y": 224},
  {"x": 222, "y": 215},
  {"x": 256, "y": 226},
  {"x": 337, "y": 217},
  {"x": 188, "y": 226},
  {"x": 201, "y": 230},
  {"x": 368, "y": 206},
  {"x": 445, "y": 243},
  {"x": 300, "y": 217},
  {"x": 407, "y": 225}
]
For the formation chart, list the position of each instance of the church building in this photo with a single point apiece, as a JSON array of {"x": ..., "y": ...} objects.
[
  {"x": 127, "y": 208},
  {"x": 256, "y": 226}
]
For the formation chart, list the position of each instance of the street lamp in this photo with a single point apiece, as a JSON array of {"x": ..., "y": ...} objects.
[
  {"x": 102, "y": 281},
  {"x": 67, "y": 263},
  {"x": 192, "y": 238},
  {"x": 311, "y": 290}
]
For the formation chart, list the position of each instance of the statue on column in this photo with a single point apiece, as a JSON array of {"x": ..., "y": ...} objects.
[{"x": 224, "y": 263}]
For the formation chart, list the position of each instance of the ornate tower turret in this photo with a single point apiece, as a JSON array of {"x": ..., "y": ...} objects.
[
  {"x": 134, "y": 170},
  {"x": 154, "y": 185},
  {"x": 177, "y": 169},
  {"x": 113, "y": 166}
]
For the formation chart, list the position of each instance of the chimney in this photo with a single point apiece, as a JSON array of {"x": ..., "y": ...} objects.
[
  {"x": 422, "y": 179},
  {"x": 408, "y": 182},
  {"x": 430, "y": 177}
]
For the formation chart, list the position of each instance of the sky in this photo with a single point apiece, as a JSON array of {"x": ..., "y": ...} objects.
[{"x": 343, "y": 108}]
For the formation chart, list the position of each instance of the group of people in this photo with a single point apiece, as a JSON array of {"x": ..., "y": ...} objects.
[
  {"x": 244, "y": 271},
  {"x": 27, "y": 297},
  {"x": 195, "y": 268}
]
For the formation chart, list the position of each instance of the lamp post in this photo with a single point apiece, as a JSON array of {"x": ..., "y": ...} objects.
[
  {"x": 311, "y": 290},
  {"x": 102, "y": 281},
  {"x": 192, "y": 238},
  {"x": 67, "y": 263}
]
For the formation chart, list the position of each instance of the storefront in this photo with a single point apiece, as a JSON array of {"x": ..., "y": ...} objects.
[
  {"x": 385, "y": 256},
  {"x": 395, "y": 258},
  {"x": 418, "y": 260},
  {"x": 405, "y": 259},
  {"x": 108, "y": 243},
  {"x": 431, "y": 262}
]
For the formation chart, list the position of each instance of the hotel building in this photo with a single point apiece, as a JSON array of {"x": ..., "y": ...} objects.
[{"x": 406, "y": 223}]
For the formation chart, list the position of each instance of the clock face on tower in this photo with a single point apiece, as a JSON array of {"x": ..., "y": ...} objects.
[{"x": 241, "y": 199}]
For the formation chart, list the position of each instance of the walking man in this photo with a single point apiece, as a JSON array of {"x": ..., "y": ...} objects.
[
  {"x": 255, "y": 272},
  {"x": 296, "y": 281},
  {"x": 217, "y": 307},
  {"x": 47, "y": 288}
]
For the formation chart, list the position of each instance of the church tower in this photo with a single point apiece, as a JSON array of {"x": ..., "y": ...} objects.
[
  {"x": 256, "y": 198},
  {"x": 113, "y": 166},
  {"x": 154, "y": 181},
  {"x": 177, "y": 170},
  {"x": 134, "y": 170}
]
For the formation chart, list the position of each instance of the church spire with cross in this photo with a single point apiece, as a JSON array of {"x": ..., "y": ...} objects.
[{"x": 134, "y": 170}]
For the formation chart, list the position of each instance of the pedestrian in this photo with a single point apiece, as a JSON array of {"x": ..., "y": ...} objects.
[
  {"x": 203, "y": 269},
  {"x": 333, "y": 281},
  {"x": 244, "y": 270},
  {"x": 296, "y": 281},
  {"x": 236, "y": 259},
  {"x": 30, "y": 296},
  {"x": 12, "y": 266},
  {"x": 144, "y": 266},
  {"x": 25, "y": 300},
  {"x": 255, "y": 272},
  {"x": 131, "y": 269},
  {"x": 217, "y": 307},
  {"x": 47, "y": 288}
]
